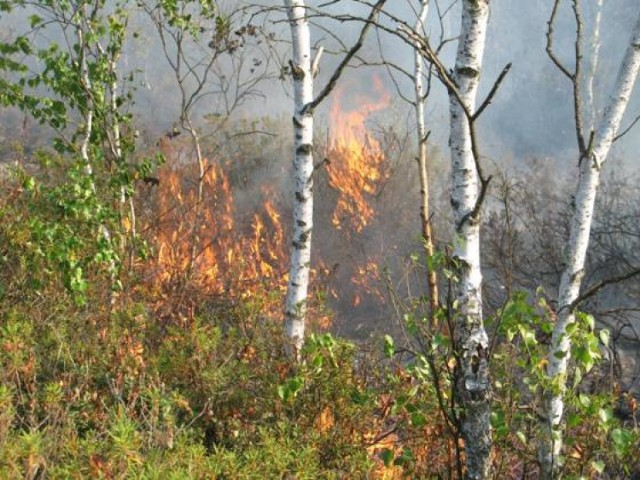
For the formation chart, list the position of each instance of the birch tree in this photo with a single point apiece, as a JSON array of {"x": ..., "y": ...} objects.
[
  {"x": 473, "y": 388},
  {"x": 469, "y": 186},
  {"x": 295, "y": 303},
  {"x": 303, "y": 70},
  {"x": 421, "y": 130},
  {"x": 71, "y": 86},
  {"x": 593, "y": 147}
]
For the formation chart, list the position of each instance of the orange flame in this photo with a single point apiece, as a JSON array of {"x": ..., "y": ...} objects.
[
  {"x": 358, "y": 163},
  {"x": 206, "y": 243}
]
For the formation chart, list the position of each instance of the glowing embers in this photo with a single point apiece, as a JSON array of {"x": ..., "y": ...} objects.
[{"x": 358, "y": 168}]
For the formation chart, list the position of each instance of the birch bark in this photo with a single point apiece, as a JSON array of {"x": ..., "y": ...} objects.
[
  {"x": 473, "y": 386},
  {"x": 296, "y": 298},
  {"x": 590, "y": 106},
  {"x": 422, "y": 163},
  {"x": 590, "y": 166}
]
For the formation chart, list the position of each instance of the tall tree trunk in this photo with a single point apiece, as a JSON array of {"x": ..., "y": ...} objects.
[
  {"x": 425, "y": 214},
  {"x": 590, "y": 168},
  {"x": 296, "y": 299},
  {"x": 473, "y": 387}
]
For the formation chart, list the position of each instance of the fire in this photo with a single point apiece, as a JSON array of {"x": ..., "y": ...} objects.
[
  {"x": 237, "y": 248},
  {"x": 357, "y": 166},
  {"x": 204, "y": 240},
  {"x": 366, "y": 278},
  {"x": 357, "y": 172}
]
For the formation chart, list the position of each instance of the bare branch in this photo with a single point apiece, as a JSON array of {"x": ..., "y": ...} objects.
[
  {"x": 492, "y": 93},
  {"x": 577, "y": 95},
  {"x": 591, "y": 291},
  {"x": 549, "y": 48},
  {"x": 324, "y": 93},
  {"x": 627, "y": 130}
]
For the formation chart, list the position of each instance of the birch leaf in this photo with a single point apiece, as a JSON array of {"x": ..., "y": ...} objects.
[{"x": 389, "y": 348}]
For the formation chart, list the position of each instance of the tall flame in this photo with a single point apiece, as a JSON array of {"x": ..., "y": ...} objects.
[{"x": 357, "y": 165}]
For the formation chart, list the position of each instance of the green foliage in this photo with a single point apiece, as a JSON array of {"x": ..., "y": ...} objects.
[
  {"x": 120, "y": 397},
  {"x": 590, "y": 422},
  {"x": 134, "y": 388}
]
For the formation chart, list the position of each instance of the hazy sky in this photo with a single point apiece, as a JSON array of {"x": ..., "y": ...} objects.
[{"x": 532, "y": 115}]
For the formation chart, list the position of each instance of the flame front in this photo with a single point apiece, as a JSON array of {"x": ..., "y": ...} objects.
[
  {"x": 237, "y": 250},
  {"x": 203, "y": 241},
  {"x": 357, "y": 167}
]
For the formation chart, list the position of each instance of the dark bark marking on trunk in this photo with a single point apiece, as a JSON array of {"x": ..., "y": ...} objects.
[
  {"x": 467, "y": 72},
  {"x": 304, "y": 149}
]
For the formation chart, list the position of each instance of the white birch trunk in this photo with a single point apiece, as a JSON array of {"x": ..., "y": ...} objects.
[
  {"x": 473, "y": 386},
  {"x": 296, "y": 299},
  {"x": 590, "y": 168},
  {"x": 422, "y": 163},
  {"x": 590, "y": 106}
]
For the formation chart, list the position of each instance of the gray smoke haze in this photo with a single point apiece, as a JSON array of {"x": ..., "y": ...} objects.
[{"x": 530, "y": 118}]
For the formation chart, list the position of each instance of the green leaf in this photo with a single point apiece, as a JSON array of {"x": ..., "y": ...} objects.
[
  {"x": 528, "y": 335},
  {"x": 389, "y": 348},
  {"x": 606, "y": 416},
  {"x": 387, "y": 457},
  {"x": 622, "y": 440},
  {"x": 605, "y": 335},
  {"x": 598, "y": 466},
  {"x": 418, "y": 420},
  {"x": 34, "y": 21},
  {"x": 405, "y": 457},
  {"x": 584, "y": 400},
  {"x": 573, "y": 420},
  {"x": 577, "y": 377}
]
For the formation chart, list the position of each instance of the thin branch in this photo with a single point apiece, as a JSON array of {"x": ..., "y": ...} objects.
[
  {"x": 626, "y": 130},
  {"x": 324, "y": 93},
  {"x": 492, "y": 93},
  {"x": 549, "y": 47},
  {"x": 591, "y": 291},
  {"x": 577, "y": 96}
]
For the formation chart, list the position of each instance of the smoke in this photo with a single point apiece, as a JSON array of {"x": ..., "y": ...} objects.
[{"x": 531, "y": 116}]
